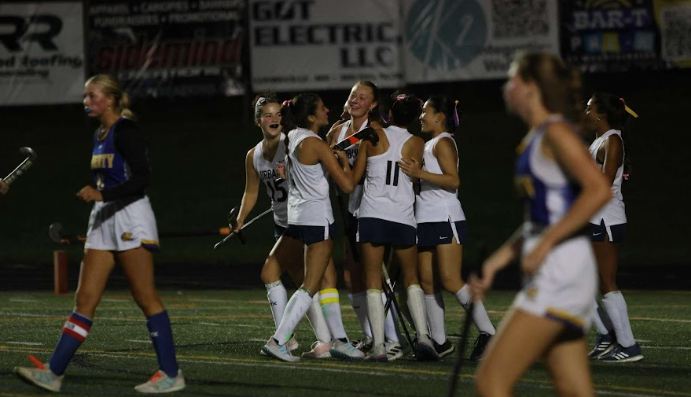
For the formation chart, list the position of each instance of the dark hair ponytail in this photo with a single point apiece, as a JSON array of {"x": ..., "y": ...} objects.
[
  {"x": 618, "y": 118},
  {"x": 296, "y": 111},
  {"x": 445, "y": 105},
  {"x": 405, "y": 109}
]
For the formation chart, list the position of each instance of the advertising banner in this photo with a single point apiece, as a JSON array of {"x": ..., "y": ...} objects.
[
  {"x": 325, "y": 44},
  {"x": 41, "y": 53},
  {"x": 165, "y": 49},
  {"x": 616, "y": 36},
  {"x": 449, "y": 40}
]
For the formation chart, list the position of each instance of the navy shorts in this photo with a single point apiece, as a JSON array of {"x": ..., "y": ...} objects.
[
  {"x": 381, "y": 232},
  {"x": 278, "y": 231},
  {"x": 431, "y": 234},
  {"x": 311, "y": 234},
  {"x": 614, "y": 232}
]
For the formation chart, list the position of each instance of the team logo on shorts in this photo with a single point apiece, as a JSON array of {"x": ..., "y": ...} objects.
[
  {"x": 531, "y": 293},
  {"x": 126, "y": 236}
]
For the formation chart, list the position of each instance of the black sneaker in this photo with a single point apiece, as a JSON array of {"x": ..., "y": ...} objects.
[
  {"x": 444, "y": 349},
  {"x": 480, "y": 346},
  {"x": 603, "y": 345},
  {"x": 621, "y": 354}
]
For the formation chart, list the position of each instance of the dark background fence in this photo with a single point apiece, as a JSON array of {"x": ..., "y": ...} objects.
[{"x": 197, "y": 154}]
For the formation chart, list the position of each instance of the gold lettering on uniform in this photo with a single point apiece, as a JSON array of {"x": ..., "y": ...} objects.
[
  {"x": 525, "y": 185},
  {"x": 102, "y": 161}
]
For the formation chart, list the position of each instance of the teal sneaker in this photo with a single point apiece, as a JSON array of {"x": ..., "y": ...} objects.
[
  {"x": 162, "y": 383},
  {"x": 41, "y": 377}
]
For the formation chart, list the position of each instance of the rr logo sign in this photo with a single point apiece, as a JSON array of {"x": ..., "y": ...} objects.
[{"x": 14, "y": 31}]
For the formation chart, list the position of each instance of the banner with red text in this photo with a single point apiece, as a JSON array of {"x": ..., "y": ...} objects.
[{"x": 165, "y": 49}]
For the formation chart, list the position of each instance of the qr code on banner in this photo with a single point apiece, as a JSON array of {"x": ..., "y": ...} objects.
[
  {"x": 676, "y": 33},
  {"x": 520, "y": 18}
]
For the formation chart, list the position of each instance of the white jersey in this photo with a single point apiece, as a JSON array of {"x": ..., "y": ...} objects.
[
  {"x": 356, "y": 195},
  {"x": 388, "y": 192},
  {"x": 267, "y": 173},
  {"x": 436, "y": 204},
  {"x": 614, "y": 212},
  {"x": 308, "y": 188}
]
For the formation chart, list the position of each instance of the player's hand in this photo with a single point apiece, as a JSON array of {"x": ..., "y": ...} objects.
[
  {"x": 89, "y": 194},
  {"x": 238, "y": 226},
  {"x": 531, "y": 262},
  {"x": 281, "y": 169},
  {"x": 4, "y": 187},
  {"x": 411, "y": 167}
]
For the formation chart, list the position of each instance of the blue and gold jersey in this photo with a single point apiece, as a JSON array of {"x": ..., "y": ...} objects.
[
  {"x": 107, "y": 164},
  {"x": 548, "y": 192},
  {"x": 119, "y": 161}
]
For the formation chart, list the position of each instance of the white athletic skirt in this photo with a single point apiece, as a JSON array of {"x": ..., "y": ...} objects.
[
  {"x": 564, "y": 287},
  {"x": 122, "y": 225}
]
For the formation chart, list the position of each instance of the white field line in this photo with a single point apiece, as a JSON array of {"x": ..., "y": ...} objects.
[
  {"x": 138, "y": 341},
  {"x": 24, "y": 343}
]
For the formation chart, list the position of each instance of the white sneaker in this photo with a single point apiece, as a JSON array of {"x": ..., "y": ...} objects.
[
  {"x": 346, "y": 351},
  {"x": 394, "y": 350},
  {"x": 272, "y": 348},
  {"x": 41, "y": 377},
  {"x": 162, "y": 383},
  {"x": 291, "y": 345},
  {"x": 319, "y": 350}
]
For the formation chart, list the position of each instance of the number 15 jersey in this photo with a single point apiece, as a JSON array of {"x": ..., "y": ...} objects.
[{"x": 277, "y": 191}]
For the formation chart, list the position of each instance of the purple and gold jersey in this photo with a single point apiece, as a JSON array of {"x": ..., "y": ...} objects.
[
  {"x": 119, "y": 161},
  {"x": 107, "y": 164},
  {"x": 548, "y": 192}
]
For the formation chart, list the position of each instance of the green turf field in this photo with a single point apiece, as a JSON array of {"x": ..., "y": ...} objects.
[{"x": 219, "y": 335}]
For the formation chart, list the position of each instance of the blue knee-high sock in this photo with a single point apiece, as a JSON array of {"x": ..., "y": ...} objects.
[
  {"x": 162, "y": 339},
  {"x": 74, "y": 332}
]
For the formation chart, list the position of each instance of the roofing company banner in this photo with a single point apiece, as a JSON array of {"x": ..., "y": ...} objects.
[
  {"x": 473, "y": 39},
  {"x": 41, "y": 53},
  {"x": 324, "y": 44},
  {"x": 622, "y": 35},
  {"x": 180, "y": 48}
]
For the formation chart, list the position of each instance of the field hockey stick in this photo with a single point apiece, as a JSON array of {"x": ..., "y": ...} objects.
[
  {"x": 453, "y": 382},
  {"x": 233, "y": 222},
  {"x": 55, "y": 233},
  {"x": 23, "y": 166},
  {"x": 366, "y": 133},
  {"x": 391, "y": 297}
]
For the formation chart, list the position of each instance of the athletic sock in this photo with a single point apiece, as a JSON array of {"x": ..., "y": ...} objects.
[
  {"x": 278, "y": 297},
  {"x": 316, "y": 319},
  {"x": 375, "y": 311},
  {"x": 359, "y": 304},
  {"x": 74, "y": 332},
  {"x": 296, "y": 308},
  {"x": 480, "y": 317},
  {"x": 595, "y": 315},
  {"x": 416, "y": 305},
  {"x": 162, "y": 338},
  {"x": 331, "y": 307},
  {"x": 435, "y": 317},
  {"x": 616, "y": 309},
  {"x": 390, "y": 329}
]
